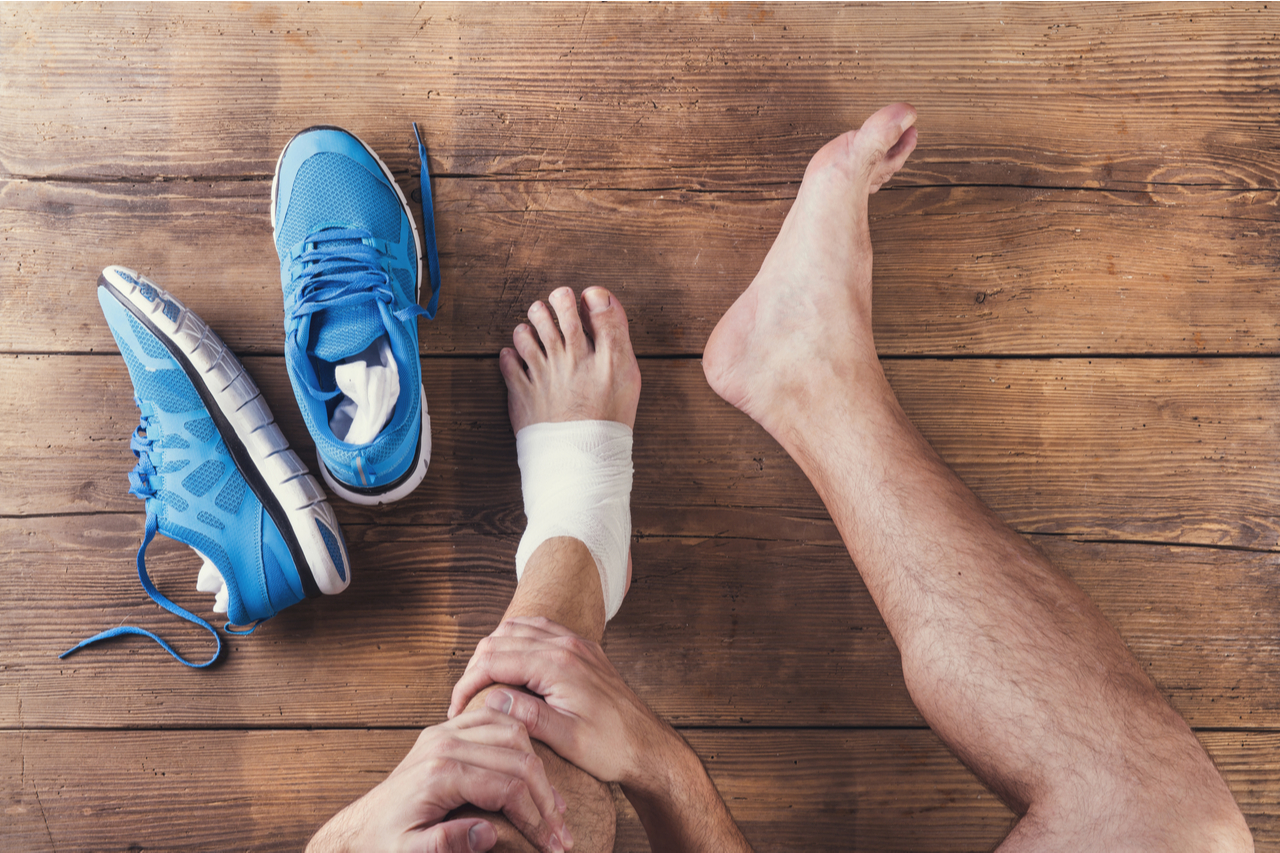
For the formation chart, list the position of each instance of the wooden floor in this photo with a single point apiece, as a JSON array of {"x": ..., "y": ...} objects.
[{"x": 1075, "y": 299}]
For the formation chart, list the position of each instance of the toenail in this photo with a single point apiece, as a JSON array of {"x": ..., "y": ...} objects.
[{"x": 597, "y": 298}]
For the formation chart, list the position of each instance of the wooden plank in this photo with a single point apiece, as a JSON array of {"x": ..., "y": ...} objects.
[
  {"x": 707, "y": 622},
  {"x": 269, "y": 790},
  {"x": 685, "y": 95},
  {"x": 1139, "y": 449},
  {"x": 959, "y": 270}
]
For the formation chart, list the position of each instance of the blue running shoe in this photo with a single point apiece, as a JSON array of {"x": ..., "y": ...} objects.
[
  {"x": 214, "y": 469},
  {"x": 350, "y": 266}
]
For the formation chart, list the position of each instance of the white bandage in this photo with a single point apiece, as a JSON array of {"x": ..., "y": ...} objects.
[{"x": 576, "y": 478}]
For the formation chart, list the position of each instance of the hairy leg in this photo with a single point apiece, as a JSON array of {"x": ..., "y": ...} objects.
[
  {"x": 582, "y": 369},
  {"x": 1009, "y": 661}
]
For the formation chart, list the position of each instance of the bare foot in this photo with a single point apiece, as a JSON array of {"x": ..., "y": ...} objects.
[
  {"x": 807, "y": 315},
  {"x": 583, "y": 370}
]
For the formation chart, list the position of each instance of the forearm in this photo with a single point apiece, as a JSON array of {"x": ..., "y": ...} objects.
[
  {"x": 679, "y": 806},
  {"x": 338, "y": 835}
]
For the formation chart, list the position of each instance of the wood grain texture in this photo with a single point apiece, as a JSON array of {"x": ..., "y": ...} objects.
[
  {"x": 1074, "y": 296},
  {"x": 789, "y": 790},
  {"x": 958, "y": 270},
  {"x": 707, "y": 622},
  {"x": 1134, "y": 449},
  {"x": 686, "y": 95}
]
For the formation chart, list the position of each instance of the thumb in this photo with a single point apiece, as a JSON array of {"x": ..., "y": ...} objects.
[
  {"x": 469, "y": 835},
  {"x": 540, "y": 720}
]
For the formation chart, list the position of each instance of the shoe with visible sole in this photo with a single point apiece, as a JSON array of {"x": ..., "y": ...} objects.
[
  {"x": 350, "y": 268},
  {"x": 214, "y": 469}
]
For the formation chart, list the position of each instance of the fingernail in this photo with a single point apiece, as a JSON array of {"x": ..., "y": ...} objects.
[
  {"x": 556, "y": 846},
  {"x": 499, "y": 700},
  {"x": 481, "y": 836},
  {"x": 561, "y": 805},
  {"x": 597, "y": 299},
  {"x": 566, "y": 835}
]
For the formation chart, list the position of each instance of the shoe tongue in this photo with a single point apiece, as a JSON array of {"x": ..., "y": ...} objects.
[{"x": 347, "y": 331}]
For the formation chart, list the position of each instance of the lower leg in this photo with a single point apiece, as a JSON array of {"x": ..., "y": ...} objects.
[
  {"x": 579, "y": 371},
  {"x": 561, "y": 582},
  {"x": 1005, "y": 656}
]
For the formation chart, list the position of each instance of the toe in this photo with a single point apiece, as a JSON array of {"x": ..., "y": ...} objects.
[
  {"x": 608, "y": 320},
  {"x": 548, "y": 334},
  {"x": 514, "y": 372},
  {"x": 526, "y": 345},
  {"x": 566, "y": 308},
  {"x": 886, "y": 126},
  {"x": 884, "y": 142}
]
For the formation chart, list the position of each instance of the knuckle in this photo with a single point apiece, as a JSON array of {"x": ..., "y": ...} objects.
[
  {"x": 530, "y": 764},
  {"x": 516, "y": 790}
]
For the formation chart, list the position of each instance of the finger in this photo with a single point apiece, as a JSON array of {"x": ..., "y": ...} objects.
[
  {"x": 469, "y": 835},
  {"x": 540, "y": 640},
  {"x": 497, "y": 791},
  {"x": 556, "y": 729},
  {"x": 518, "y": 662},
  {"x": 511, "y": 755},
  {"x": 491, "y": 727},
  {"x": 539, "y": 624}
]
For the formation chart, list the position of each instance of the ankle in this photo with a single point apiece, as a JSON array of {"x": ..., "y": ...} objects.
[{"x": 561, "y": 583}]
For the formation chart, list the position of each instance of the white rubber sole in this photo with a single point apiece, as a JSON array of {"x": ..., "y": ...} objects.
[{"x": 219, "y": 377}]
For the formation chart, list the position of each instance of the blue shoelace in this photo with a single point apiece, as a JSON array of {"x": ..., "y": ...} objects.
[
  {"x": 140, "y": 486},
  {"x": 428, "y": 227},
  {"x": 337, "y": 268}
]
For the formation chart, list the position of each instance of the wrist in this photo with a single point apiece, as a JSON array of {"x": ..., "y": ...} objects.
[{"x": 665, "y": 766}]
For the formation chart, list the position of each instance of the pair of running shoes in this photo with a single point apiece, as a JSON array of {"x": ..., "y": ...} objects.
[{"x": 212, "y": 466}]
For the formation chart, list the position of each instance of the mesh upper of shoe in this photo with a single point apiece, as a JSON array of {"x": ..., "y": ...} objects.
[
  {"x": 200, "y": 497},
  {"x": 365, "y": 202}
]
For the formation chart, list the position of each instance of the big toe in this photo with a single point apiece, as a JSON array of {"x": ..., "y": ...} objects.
[
  {"x": 608, "y": 320},
  {"x": 884, "y": 142}
]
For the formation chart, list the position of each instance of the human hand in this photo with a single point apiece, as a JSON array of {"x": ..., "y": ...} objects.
[
  {"x": 586, "y": 712},
  {"x": 481, "y": 757}
]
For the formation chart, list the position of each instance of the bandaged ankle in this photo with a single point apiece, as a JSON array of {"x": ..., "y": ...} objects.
[{"x": 576, "y": 478}]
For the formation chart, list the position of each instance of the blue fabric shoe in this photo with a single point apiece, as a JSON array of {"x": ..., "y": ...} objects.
[
  {"x": 350, "y": 267},
  {"x": 214, "y": 469}
]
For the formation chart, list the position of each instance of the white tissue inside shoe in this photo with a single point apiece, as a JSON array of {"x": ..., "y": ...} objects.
[
  {"x": 370, "y": 383},
  {"x": 211, "y": 580}
]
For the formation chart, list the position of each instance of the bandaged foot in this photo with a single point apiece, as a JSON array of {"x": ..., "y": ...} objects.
[
  {"x": 573, "y": 390},
  {"x": 576, "y": 478}
]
